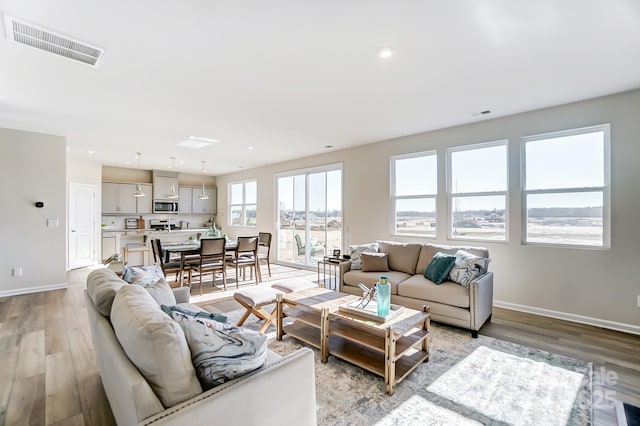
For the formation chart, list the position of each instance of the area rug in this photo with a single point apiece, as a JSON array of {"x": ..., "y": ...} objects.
[{"x": 466, "y": 381}]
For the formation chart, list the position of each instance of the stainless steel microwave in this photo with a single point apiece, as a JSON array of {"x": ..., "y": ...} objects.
[{"x": 165, "y": 207}]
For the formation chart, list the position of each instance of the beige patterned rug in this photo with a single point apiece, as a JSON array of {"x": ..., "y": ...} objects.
[{"x": 466, "y": 381}]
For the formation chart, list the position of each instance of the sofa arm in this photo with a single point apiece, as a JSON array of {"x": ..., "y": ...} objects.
[
  {"x": 481, "y": 293},
  {"x": 248, "y": 401},
  {"x": 345, "y": 266},
  {"x": 182, "y": 294}
]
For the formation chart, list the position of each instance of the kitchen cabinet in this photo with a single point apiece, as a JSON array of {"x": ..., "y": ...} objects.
[
  {"x": 204, "y": 206},
  {"x": 117, "y": 198},
  {"x": 185, "y": 201},
  {"x": 144, "y": 205},
  {"x": 162, "y": 186}
]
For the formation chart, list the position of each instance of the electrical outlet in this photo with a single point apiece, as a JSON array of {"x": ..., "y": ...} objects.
[{"x": 17, "y": 272}]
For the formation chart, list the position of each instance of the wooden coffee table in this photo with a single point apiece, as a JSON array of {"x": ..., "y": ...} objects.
[{"x": 390, "y": 349}]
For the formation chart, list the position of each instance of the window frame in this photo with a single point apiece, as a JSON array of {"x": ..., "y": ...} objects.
[
  {"x": 244, "y": 203},
  {"x": 394, "y": 197},
  {"x": 605, "y": 189},
  {"x": 451, "y": 194}
]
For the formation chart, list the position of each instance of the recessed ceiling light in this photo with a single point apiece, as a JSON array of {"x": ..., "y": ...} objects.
[
  {"x": 249, "y": 147},
  {"x": 181, "y": 162},
  {"x": 197, "y": 142},
  {"x": 386, "y": 53},
  {"x": 127, "y": 162},
  {"x": 90, "y": 152}
]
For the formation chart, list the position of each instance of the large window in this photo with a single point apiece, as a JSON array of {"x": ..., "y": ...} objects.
[
  {"x": 414, "y": 186},
  {"x": 243, "y": 198},
  {"x": 566, "y": 187},
  {"x": 478, "y": 191}
]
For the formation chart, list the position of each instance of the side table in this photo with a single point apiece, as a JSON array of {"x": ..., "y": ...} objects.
[{"x": 330, "y": 271}]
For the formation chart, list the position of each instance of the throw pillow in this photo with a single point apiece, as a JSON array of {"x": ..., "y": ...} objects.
[
  {"x": 467, "y": 268},
  {"x": 161, "y": 292},
  {"x": 439, "y": 267},
  {"x": 221, "y": 352},
  {"x": 356, "y": 261},
  {"x": 374, "y": 262},
  {"x": 144, "y": 275}
]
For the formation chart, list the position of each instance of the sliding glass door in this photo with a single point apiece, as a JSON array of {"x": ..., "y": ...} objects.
[{"x": 309, "y": 215}]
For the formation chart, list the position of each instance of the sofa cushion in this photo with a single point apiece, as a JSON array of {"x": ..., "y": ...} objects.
[
  {"x": 143, "y": 275},
  {"x": 439, "y": 267},
  {"x": 374, "y": 262},
  {"x": 468, "y": 267},
  {"x": 221, "y": 352},
  {"x": 161, "y": 292},
  {"x": 102, "y": 286},
  {"x": 356, "y": 261},
  {"x": 428, "y": 250},
  {"x": 353, "y": 278},
  {"x": 448, "y": 293},
  {"x": 402, "y": 256},
  {"x": 155, "y": 344}
]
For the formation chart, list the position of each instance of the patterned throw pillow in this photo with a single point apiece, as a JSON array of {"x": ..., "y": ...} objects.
[
  {"x": 142, "y": 275},
  {"x": 221, "y": 352},
  {"x": 467, "y": 268},
  {"x": 439, "y": 267},
  {"x": 356, "y": 261}
]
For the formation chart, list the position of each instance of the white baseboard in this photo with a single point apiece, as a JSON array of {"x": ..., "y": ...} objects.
[
  {"x": 27, "y": 290},
  {"x": 618, "y": 326}
]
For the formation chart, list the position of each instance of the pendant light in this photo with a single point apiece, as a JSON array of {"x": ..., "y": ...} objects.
[
  {"x": 172, "y": 194},
  {"x": 138, "y": 192},
  {"x": 203, "y": 195}
]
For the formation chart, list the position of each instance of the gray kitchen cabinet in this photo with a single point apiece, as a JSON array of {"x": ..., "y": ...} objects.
[
  {"x": 185, "y": 201},
  {"x": 144, "y": 205},
  {"x": 117, "y": 198},
  {"x": 204, "y": 206}
]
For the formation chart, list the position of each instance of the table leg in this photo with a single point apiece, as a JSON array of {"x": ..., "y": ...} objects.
[
  {"x": 389, "y": 361},
  {"x": 324, "y": 335},
  {"x": 279, "y": 315},
  {"x": 182, "y": 270}
]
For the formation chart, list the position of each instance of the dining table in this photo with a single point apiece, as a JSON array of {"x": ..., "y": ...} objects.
[{"x": 190, "y": 248}]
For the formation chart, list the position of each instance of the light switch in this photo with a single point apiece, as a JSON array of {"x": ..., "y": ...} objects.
[{"x": 52, "y": 223}]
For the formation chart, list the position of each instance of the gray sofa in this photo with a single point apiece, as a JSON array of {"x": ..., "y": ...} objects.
[
  {"x": 450, "y": 302},
  {"x": 249, "y": 399}
]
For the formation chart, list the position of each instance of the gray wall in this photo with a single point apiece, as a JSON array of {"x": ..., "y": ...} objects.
[
  {"x": 32, "y": 168},
  {"x": 594, "y": 286}
]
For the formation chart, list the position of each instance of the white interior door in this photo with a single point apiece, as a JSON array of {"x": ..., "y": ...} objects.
[{"x": 82, "y": 225}]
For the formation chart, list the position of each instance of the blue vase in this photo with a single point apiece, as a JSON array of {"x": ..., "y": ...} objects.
[{"x": 383, "y": 291}]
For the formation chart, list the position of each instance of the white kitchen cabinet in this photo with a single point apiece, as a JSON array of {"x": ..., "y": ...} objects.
[
  {"x": 204, "y": 206},
  {"x": 144, "y": 205},
  {"x": 185, "y": 200},
  {"x": 117, "y": 198},
  {"x": 162, "y": 186}
]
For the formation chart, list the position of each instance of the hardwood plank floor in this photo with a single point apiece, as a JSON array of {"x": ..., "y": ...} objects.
[{"x": 49, "y": 374}]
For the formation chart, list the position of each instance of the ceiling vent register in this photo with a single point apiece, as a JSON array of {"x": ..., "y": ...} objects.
[{"x": 42, "y": 38}]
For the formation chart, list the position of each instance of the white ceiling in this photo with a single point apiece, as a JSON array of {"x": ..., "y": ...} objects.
[{"x": 292, "y": 76}]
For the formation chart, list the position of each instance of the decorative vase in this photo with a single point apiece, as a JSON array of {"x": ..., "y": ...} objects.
[{"x": 383, "y": 292}]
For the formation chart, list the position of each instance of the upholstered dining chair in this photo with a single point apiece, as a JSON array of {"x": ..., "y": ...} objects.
[
  {"x": 167, "y": 267},
  {"x": 246, "y": 256},
  {"x": 264, "y": 242},
  {"x": 211, "y": 259}
]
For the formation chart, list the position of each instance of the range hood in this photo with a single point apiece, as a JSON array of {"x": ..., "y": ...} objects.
[{"x": 165, "y": 185}]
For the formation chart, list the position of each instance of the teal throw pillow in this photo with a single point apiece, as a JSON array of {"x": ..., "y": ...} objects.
[{"x": 439, "y": 267}]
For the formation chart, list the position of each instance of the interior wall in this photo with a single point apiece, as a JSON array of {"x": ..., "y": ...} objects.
[
  {"x": 81, "y": 170},
  {"x": 32, "y": 168},
  {"x": 597, "y": 284}
]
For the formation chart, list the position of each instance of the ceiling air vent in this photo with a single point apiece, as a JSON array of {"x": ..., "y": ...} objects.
[{"x": 44, "y": 39}]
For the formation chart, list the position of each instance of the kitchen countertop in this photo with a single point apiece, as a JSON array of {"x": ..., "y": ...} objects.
[{"x": 155, "y": 231}]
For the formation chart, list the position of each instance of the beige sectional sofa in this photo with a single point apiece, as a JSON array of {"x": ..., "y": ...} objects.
[
  {"x": 245, "y": 400},
  {"x": 450, "y": 303}
]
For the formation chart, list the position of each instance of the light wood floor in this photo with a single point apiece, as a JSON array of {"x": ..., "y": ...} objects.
[{"x": 48, "y": 372}]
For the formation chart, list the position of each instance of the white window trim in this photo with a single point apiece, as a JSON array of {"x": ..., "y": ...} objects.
[
  {"x": 394, "y": 197},
  {"x": 451, "y": 194},
  {"x": 244, "y": 203},
  {"x": 606, "y": 189}
]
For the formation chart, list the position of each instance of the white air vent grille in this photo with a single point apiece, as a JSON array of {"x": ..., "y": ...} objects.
[{"x": 44, "y": 39}]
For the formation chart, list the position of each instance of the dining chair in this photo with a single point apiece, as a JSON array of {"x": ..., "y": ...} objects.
[
  {"x": 246, "y": 256},
  {"x": 167, "y": 267},
  {"x": 211, "y": 259},
  {"x": 264, "y": 240}
]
